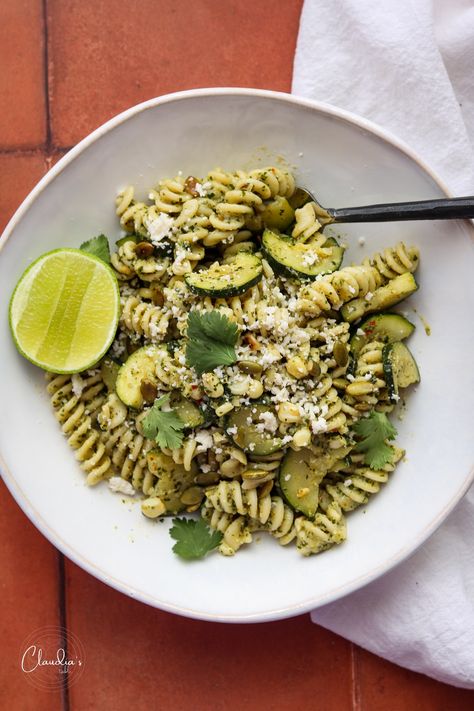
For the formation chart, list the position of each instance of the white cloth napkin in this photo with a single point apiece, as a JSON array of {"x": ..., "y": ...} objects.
[{"x": 409, "y": 66}]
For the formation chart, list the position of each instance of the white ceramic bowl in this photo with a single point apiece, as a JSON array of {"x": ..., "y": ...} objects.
[{"x": 346, "y": 161}]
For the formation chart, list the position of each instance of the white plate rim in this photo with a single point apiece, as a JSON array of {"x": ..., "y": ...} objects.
[{"x": 41, "y": 524}]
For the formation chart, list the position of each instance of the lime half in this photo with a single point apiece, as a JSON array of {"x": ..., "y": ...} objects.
[{"x": 64, "y": 311}]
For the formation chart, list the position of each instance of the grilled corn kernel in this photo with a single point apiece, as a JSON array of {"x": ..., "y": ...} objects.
[
  {"x": 297, "y": 367},
  {"x": 224, "y": 409},
  {"x": 153, "y": 507},
  {"x": 302, "y": 437},
  {"x": 255, "y": 389},
  {"x": 288, "y": 413}
]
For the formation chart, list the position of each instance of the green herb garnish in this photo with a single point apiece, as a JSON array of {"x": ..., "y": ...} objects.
[
  {"x": 194, "y": 538},
  {"x": 164, "y": 426},
  {"x": 211, "y": 340},
  {"x": 98, "y": 246},
  {"x": 374, "y": 431}
]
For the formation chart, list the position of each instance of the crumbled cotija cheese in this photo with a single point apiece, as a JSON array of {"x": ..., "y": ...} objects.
[
  {"x": 269, "y": 421},
  {"x": 121, "y": 486},
  {"x": 77, "y": 384},
  {"x": 310, "y": 258},
  {"x": 204, "y": 439},
  {"x": 158, "y": 227}
]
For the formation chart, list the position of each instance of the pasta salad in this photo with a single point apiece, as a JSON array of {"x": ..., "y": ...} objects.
[{"x": 251, "y": 373}]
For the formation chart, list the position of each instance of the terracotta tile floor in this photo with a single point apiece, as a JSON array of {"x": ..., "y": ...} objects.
[{"x": 67, "y": 66}]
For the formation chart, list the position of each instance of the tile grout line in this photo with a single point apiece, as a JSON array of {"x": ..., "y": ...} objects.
[
  {"x": 23, "y": 152},
  {"x": 355, "y": 689},
  {"x": 47, "y": 77},
  {"x": 33, "y": 150},
  {"x": 63, "y": 627},
  {"x": 47, "y": 151}
]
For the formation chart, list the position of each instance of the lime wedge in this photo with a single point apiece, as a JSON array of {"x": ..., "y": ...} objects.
[{"x": 64, "y": 311}]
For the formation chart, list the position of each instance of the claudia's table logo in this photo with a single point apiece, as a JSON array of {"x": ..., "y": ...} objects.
[{"x": 51, "y": 657}]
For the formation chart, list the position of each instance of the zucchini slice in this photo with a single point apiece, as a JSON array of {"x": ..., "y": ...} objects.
[
  {"x": 128, "y": 238},
  {"x": 245, "y": 424},
  {"x": 139, "y": 366},
  {"x": 278, "y": 214},
  {"x": 299, "y": 481},
  {"x": 295, "y": 259},
  {"x": 399, "y": 367},
  {"x": 385, "y": 327},
  {"x": 173, "y": 480},
  {"x": 232, "y": 277},
  {"x": 301, "y": 473},
  {"x": 383, "y": 298},
  {"x": 187, "y": 411}
]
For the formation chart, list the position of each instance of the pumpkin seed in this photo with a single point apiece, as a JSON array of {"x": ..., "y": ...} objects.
[
  {"x": 265, "y": 489},
  {"x": 250, "y": 366},
  {"x": 148, "y": 390},
  {"x": 207, "y": 478},
  {"x": 341, "y": 354},
  {"x": 157, "y": 296},
  {"x": 190, "y": 186},
  {"x": 144, "y": 250},
  {"x": 254, "y": 474},
  {"x": 192, "y": 496}
]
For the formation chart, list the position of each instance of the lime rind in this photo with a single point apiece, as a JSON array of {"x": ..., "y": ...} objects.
[{"x": 106, "y": 275}]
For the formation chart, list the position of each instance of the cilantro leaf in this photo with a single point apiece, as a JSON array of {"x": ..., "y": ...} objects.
[
  {"x": 98, "y": 246},
  {"x": 205, "y": 357},
  {"x": 211, "y": 340},
  {"x": 374, "y": 431},
  {"x": 194, "y": 538},
  {"x": 164, "y": 426}
]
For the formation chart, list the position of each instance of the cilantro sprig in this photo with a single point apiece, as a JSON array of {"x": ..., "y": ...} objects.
[
  {"x": 193, "y": 538},
  {"x": 98, "y": 246},
  {"x": 164, "y": 426},
  {"x": 374, "y": 432},
  {"x": 211, "y": 341}
]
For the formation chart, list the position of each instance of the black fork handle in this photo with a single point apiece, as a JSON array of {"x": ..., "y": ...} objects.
[{"x": 443, "y": 209}]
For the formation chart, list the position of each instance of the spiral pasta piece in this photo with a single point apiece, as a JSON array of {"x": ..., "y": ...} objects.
[
  {"x": 368, "y": 388},
  {"x": 192, "y": 223},
  {"x": 171, "y": 195},
  {"x": 127, "y": 450},
  {"x": 394, "y": 261},
  {"x": 144, "y": 319},
  {"x": 134, "y": 218},
  {"x": 307, "y": 226},
  {"x": 217, "y": 183},
  {"x": 333, "y": 290},
  {"x": 278, "y": 181},
  {"x": 327, "y": 529},
  {"x": 231, "y": 498},
  {"x": 360, "y": 482},
  {"x": 280, "y": 522},
  {"x": 123, "y": 260},
  {"x": 75, "y": 412},
  {"x": 124, "y": 200},
  {"x": 127, "y": 264},
  {"x": 113, "y": 413},
  {"x": 235, "y": 529}
]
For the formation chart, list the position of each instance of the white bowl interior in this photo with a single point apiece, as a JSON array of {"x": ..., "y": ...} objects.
[{"x": 344, "y": 163}]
